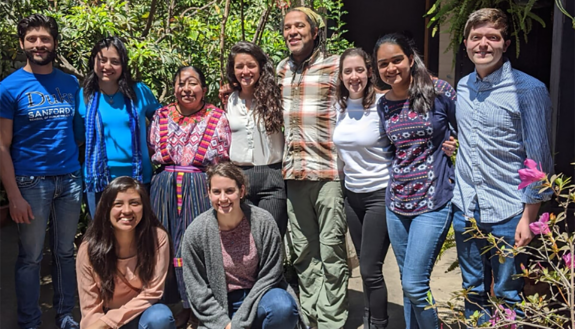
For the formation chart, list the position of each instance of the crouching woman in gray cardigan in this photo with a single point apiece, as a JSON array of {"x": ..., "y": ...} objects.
[{"x": 232, "y": 261}]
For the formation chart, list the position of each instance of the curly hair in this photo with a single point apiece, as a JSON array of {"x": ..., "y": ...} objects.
[
  {"x": 341, "y": 91},
  {"x": 267, "y": 93}
]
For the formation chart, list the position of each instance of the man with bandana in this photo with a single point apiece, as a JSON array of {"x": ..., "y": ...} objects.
[
  {"x": 310, "y": 166},
  {"x": 40, "y": 170}
]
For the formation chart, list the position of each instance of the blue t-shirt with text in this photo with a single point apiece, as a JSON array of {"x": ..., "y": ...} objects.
[
  {"x": 42, "y": 109},
  {"x": 117, "y": 134}
]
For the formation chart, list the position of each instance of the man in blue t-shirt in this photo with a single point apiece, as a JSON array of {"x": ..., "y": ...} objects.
[{"x": 40, "y": 170}]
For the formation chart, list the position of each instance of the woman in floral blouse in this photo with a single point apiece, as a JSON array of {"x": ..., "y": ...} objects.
[{"x": 187, "y": 136}]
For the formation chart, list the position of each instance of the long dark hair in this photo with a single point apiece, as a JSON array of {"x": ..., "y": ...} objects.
[
  {"x": 267, "y": 93},
  {"x": 421, "y": 90},
  {"x": 342, "y": 93},
  {"x": 125, "y": 82},
  {"x": 102, "y": 241}
]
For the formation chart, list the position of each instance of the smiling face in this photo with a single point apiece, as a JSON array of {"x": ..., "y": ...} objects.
[
  {"x": 355, "y": 75},
  {"x": 394, "y": 66},
  {"x": 485, "y": 47},
  {"x": 39, "y": 46},
  {"x": 225, "y": 195},
  {"x": 246, "y": 71},
  {"x": 127, "y": 210},
  {"x": 298, "y": 35},
  {"x": 108, "y": 65},
  {"x": 188, "y": 90}
]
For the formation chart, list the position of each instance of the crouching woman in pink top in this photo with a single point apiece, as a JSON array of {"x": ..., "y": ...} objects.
[{"x": 123, "y": 262}]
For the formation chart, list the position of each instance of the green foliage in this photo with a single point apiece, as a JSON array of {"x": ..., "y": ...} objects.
[
  {"x": 160, "y": 35},
  {"x": 550, "y": 265},
  {"x": 336, "y": 44},
  {"x": 559, "y": 4},
  {"x": 456, "y": 12}
]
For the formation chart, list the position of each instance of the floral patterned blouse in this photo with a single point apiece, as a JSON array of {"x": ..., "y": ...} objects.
[{"x": 184, "y": 134}]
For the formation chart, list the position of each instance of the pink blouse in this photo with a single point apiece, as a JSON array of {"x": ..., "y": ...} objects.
[{"x": 126, "y": 304}]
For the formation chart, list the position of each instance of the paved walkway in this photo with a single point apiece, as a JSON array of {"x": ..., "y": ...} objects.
[{"x": 442, "y": 284}]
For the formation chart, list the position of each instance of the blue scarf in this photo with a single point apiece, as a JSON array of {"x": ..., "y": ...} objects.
[{"x": 97, "y": 171}]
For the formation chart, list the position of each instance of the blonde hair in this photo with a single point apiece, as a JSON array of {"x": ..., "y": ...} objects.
[{"x": 487, "y": 15}]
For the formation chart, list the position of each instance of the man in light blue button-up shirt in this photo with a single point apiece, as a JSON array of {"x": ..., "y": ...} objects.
[{"x": 503, "y": 117}]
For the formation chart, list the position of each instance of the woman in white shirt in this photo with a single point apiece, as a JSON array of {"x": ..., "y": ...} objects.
[
  {"x": 255, "y": 113},
  {"x": 362, "y": 146}
]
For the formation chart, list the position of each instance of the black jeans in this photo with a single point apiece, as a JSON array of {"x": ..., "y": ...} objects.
[
  {"x": 365, "y": 214},
  {"x": 267, "y": 190}
]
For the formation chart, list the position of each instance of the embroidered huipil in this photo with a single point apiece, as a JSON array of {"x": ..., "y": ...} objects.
[
  {"x": 184, "y": 134},
  {"x": 503, "y": 119},
  {"x": 308, "y": 92},
  {"x": 422, "y": 177}
]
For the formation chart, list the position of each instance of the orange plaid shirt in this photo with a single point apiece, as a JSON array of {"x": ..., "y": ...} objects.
[{"x": 309, "y": 97}]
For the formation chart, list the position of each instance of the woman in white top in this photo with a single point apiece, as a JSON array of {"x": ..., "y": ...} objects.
[
  {"x": 362, "y": 146},
  {"x": 255, "y": 113}
]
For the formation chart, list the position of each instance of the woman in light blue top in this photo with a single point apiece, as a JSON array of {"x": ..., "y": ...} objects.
[{"x": 111, "y": 112}]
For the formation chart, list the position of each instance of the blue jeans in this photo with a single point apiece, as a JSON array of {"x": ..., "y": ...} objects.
[
  {"x": 55, "y": 203},
  {"x": 277, "y": 309},
  {"x": 416, "y": 241},
  {"x": 478, "y": 270},
  {"x": 157, "y": 316}
]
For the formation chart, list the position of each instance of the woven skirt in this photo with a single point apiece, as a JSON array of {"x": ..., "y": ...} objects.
[{"x": 195, "y": 200}]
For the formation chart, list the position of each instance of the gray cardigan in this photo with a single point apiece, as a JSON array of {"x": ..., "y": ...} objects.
[{"x": 204, "y": 274}]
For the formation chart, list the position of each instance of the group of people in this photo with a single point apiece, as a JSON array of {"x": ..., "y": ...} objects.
[{"x": 314, "y": 143}]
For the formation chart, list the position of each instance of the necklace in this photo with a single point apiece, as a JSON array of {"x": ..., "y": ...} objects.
[
  {"x": 110, "y": 97},
  {"x": 190, "y": 114}
]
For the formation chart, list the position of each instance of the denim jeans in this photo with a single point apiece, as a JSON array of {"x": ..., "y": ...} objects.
[
  {"x": 55, "y": 203},
  {"x": 277, "y": 309},
  {"x": 478, "y": 268},
  {"x": 157, "y": 316},
  {"x": 416, "y": 241}
]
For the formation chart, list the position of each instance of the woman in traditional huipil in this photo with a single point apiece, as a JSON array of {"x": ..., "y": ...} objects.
[
  {"x": 416, "y": 115},
  {"x": 187, "y": 136}
]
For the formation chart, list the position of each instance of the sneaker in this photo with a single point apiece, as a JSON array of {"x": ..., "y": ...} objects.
[{"x": 67, "y": 322}]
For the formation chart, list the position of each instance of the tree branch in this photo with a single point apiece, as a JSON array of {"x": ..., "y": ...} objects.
[
  {"x": 262, "y": 24},
  {"x": 198, "y": 9},
  {"x": 223, "y": 38},
  {"x": 150, "y": 18},
  {"x": 169, "y": 18},
  {"x": 68, "y": 68},
  {"x": 242, "y": 17}
]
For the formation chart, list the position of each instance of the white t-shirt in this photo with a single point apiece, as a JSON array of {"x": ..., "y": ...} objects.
[
  {"x": 251, "y": 144},
  {"x": 363, "y": 146}
]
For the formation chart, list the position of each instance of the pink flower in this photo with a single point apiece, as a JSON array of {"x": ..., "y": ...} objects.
[
  {"x": 530, "y": 174},
  {"x": 509, "y": 316},
  {"x": 540, "y": 226},
  {"x": 569, "y": 261}
]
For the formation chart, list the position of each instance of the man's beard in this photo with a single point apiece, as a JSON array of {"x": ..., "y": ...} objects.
[{"x": 49, "y": 59}]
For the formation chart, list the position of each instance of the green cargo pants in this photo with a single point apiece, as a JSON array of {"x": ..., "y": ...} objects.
[{"x": 316, "y": 215}]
